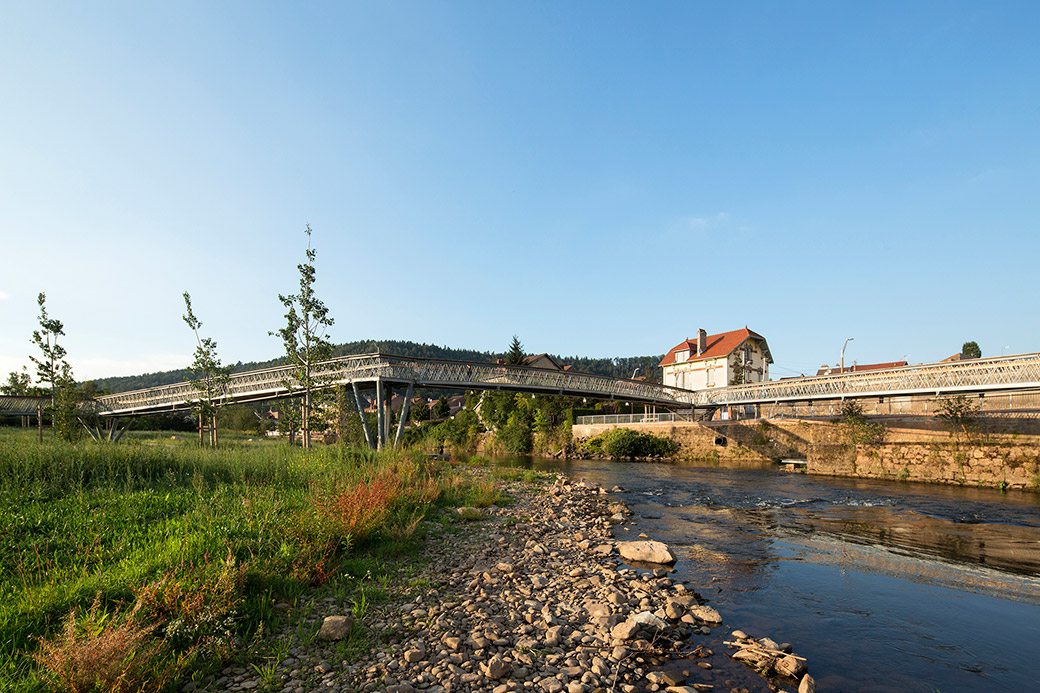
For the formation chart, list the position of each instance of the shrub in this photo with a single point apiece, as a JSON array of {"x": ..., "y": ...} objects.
[
  {"x": 624, "y": 443},
  {"x": 958, "y": 413},
  {"x": 857, "y": 428},
  {"x": 515, "y": 437}
]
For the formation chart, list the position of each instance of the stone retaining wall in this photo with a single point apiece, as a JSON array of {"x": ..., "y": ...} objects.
[
  {"x": 1002, "y": 453},
  {"x": 696, "y": 441},
  {"x": 918, "y": 449}
]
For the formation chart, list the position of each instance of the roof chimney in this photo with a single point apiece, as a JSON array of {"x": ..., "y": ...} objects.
[{"x": 702, "y": 342}]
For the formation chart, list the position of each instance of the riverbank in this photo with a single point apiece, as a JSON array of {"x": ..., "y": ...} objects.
[
  {"x": 531, "y": 596},
  {"x": 996, "y": 452}
]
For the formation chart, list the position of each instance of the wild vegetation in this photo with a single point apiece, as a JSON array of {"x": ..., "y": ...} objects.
[
  {"x": 626, "y": 444},
  {"x": 858, "y": 429},
  {"x": 129, "y": 566},
  {"x": 959, "y": 414}
]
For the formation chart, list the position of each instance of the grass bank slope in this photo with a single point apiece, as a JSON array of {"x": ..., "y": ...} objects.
[{"x": 125, "y": 567}]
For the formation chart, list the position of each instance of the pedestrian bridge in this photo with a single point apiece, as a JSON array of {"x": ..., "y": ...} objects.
[{"x": 385, "y": 370}]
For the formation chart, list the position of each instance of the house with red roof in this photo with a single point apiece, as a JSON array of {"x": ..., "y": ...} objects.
[{"x": 717, "y": 360}]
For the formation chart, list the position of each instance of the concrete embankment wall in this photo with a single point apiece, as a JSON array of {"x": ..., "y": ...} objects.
[{"x": 1001, "y": 451}]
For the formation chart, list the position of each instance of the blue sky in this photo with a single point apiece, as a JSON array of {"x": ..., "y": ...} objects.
[{"x": 601, "y": 179}]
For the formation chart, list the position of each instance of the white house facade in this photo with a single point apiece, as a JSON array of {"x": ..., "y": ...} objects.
[{"x": 717, "y": 360}]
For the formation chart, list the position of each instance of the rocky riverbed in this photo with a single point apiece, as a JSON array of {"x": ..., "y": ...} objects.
[{"x": 534, "y": 596}]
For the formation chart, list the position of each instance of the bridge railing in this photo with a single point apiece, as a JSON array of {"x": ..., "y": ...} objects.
[
  {"x": 664, "y": 417},
  {"x": 955, "y": 376}
]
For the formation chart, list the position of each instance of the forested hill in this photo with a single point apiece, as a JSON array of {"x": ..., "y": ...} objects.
[{"x": 617, "y": 367}]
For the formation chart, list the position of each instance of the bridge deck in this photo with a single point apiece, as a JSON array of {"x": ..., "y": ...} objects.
[{"x": 273, "y": 383}]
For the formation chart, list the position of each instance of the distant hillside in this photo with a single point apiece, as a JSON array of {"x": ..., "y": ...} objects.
[{"x": 617, "y": 367}]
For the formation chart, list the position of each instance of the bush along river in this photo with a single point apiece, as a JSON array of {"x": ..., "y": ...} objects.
[{"x": 880, "y": 585}]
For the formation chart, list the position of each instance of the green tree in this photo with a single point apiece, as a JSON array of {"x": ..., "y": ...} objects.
[
  {"x": 306, "y": 323},
  {"x": 515, "y": 355},
  {"x": 55, "y": 371},
  {"x": 441, "y": 410},
  {"x": 421, "y": 411},
  {"x": 971, "y": 350},
  {"x": 737, "y": 366},
  {"x": 289, "y": 419},
  {"x": 19, "y": 384},
  {"x": 51, "y": 364},
  {"x": 210, "y": 378}
]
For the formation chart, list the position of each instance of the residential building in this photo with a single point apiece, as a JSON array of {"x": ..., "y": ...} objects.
[
  {"x": 718, "y": 360},
  {"x": 859, "y": 368}
]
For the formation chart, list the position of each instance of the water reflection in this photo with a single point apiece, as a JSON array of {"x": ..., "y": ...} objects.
[{"x": 882, "y": 585}]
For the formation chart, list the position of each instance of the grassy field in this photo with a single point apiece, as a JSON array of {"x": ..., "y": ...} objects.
[{"x": 130, "y": 566}]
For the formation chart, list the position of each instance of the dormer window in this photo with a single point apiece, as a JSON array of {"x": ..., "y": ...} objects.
[{"x": 681, "y": 356}]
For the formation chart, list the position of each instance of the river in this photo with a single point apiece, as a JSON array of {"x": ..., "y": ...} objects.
[{"x": 880, "y": 585}]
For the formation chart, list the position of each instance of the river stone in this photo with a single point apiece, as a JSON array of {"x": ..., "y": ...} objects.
[
  {"x": 668, "y": 677},
  {"x": 808, "y": 685},
  {"x": 625, "y": 630},
  {"x": 335, "y": 627},
  {"x": 646, "y": 618},
  {"x": 790, "y": 666},
  {"x": 739, "y": 635},
  {"x": 496, "y": 668},
  {"x": 706, "y": 614},
  {"x": 645, "y": 552}
]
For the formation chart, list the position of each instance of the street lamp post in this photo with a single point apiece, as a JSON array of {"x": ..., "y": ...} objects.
[{"x": 843, "y": 353}]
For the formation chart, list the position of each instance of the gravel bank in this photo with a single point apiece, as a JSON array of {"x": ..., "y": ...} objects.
[{"x": 532, "y": 597}]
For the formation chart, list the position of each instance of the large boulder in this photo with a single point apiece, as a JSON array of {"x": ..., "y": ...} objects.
[{"x": 646, "y": 552}]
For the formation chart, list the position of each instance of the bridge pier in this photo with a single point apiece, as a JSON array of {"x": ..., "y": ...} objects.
[
  {"x": 380, "y": 425},
  {"x": 405, "y": 409},
  {"x": 361, "y": 413}
]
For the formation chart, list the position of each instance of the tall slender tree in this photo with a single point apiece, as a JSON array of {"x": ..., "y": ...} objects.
[
  {"x": 49, "y": 366},
  {"x": 306, "y": 324},
  {"x": 210, "y": 378},
  {"x": 52, "y": 369}
]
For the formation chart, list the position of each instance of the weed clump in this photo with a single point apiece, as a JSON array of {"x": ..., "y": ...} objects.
[{"x": 100, "y": 651}]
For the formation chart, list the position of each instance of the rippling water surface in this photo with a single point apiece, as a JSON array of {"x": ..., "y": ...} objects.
[{"x": 880, "y": 585}]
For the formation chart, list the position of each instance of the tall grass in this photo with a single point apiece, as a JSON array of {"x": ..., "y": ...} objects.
[{"x": 166, "y": 548}]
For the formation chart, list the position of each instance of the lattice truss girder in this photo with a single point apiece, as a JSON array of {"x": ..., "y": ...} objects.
[
  {"x": 976, "y": 375},
  {"x": 273, "y": 383}
]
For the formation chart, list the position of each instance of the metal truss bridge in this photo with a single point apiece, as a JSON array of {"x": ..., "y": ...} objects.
[
  {"x": 274, "y": 383},
  {"x": 1021, "y": 372},
  {"x": 384, "y": 372}
]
